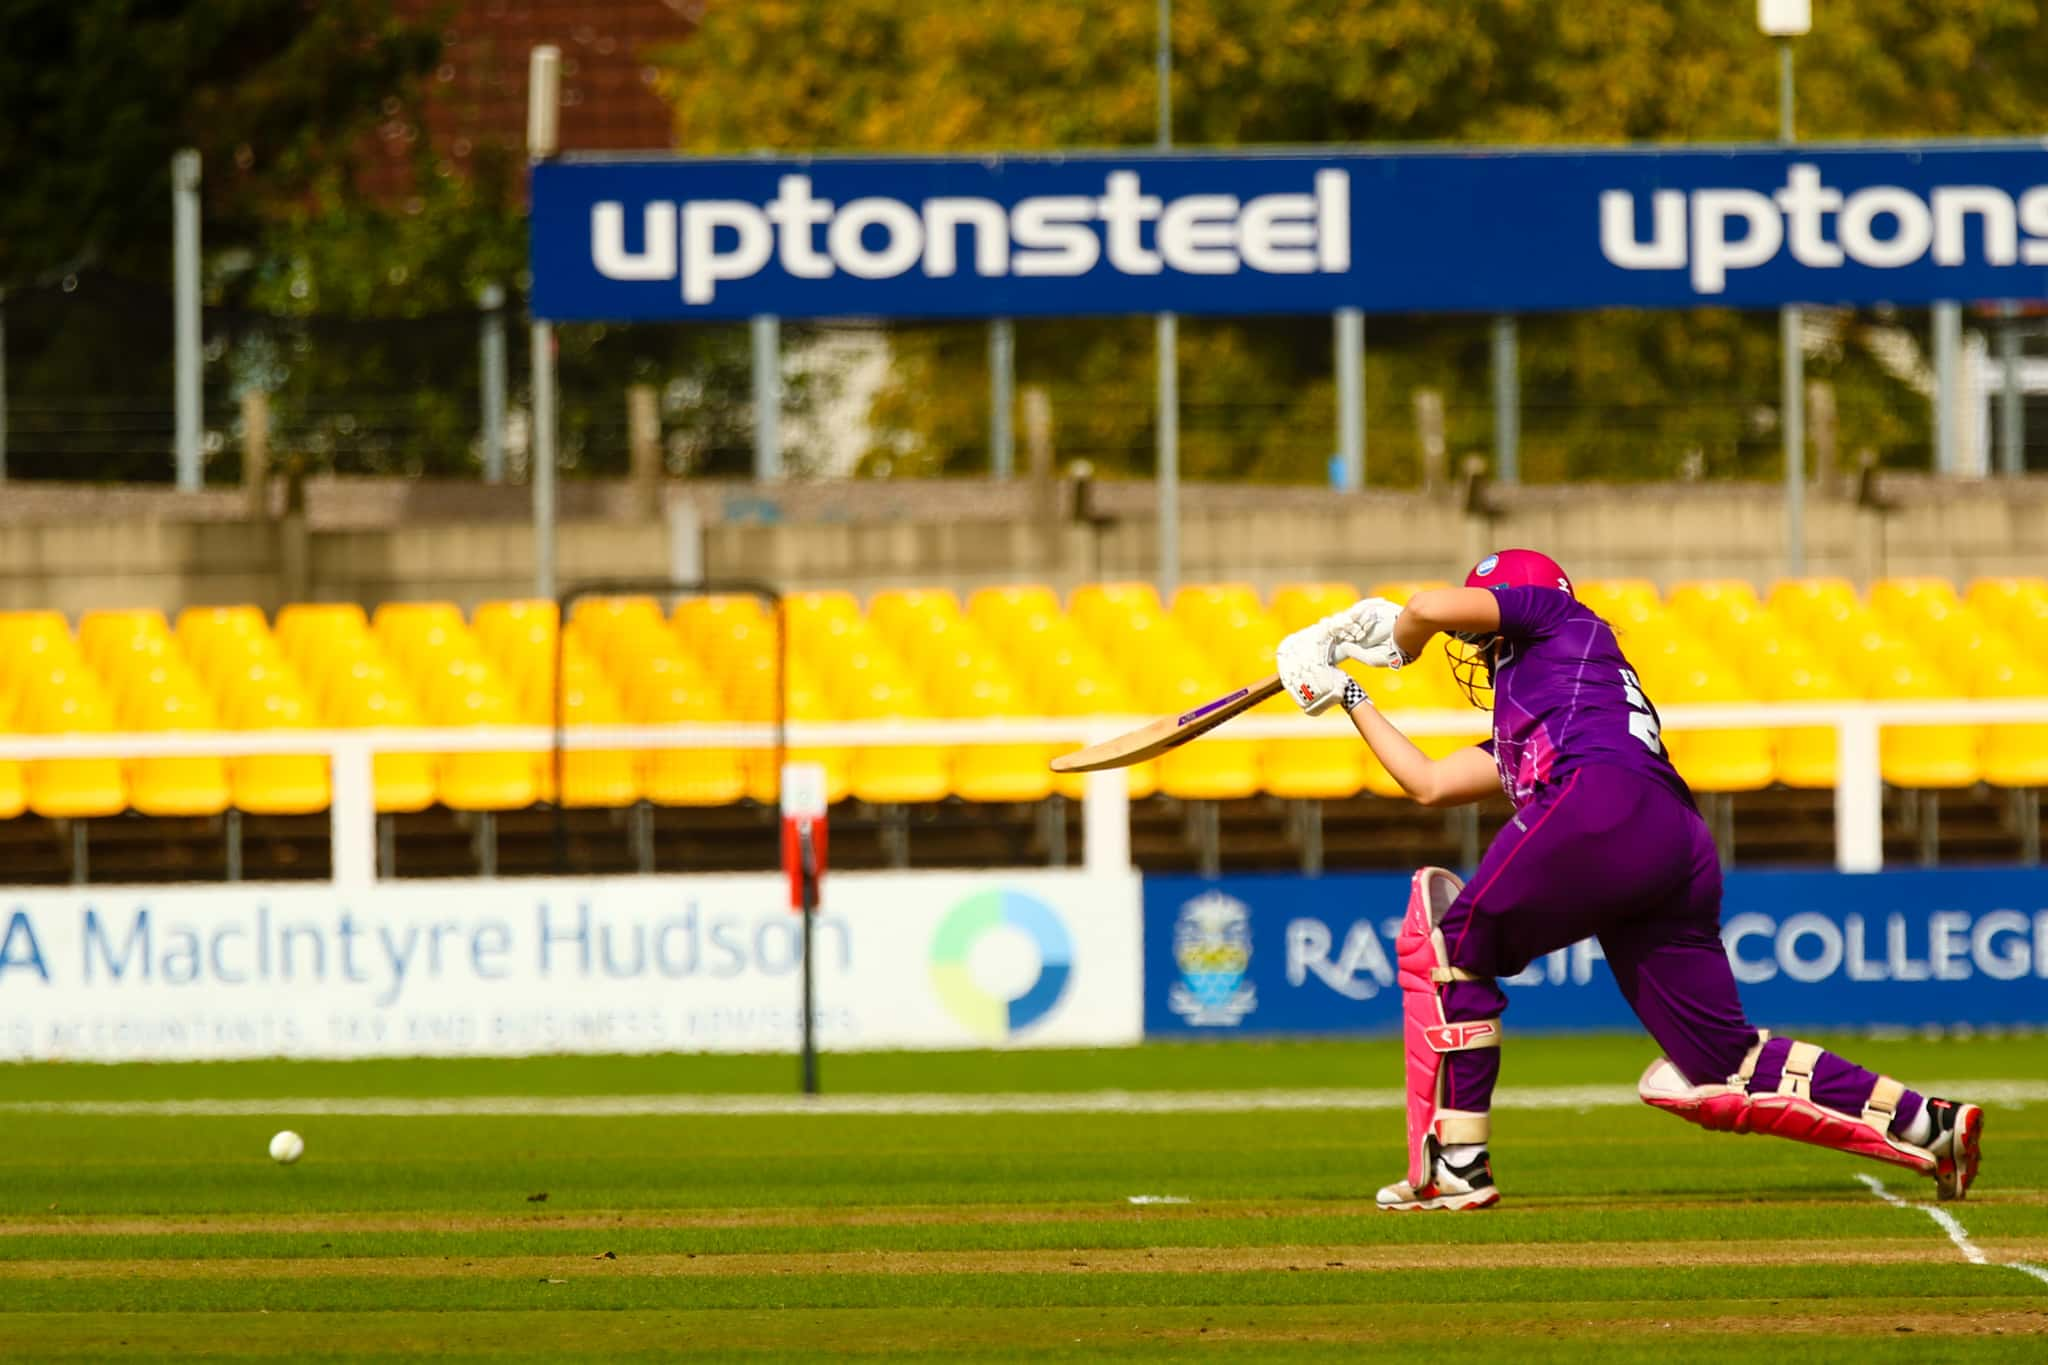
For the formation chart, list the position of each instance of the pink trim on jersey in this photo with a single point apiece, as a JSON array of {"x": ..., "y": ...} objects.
[{"x": 1520, "y": 844}]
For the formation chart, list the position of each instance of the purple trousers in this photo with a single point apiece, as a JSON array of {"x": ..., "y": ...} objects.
[{"x": 1613, "y": 853}]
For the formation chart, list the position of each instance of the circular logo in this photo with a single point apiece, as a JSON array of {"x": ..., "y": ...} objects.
[
  {"x": 987, "y": 1015},
  {"x": 1487, "y": 565}
]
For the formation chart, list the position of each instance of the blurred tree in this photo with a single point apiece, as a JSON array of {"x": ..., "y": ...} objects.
[
  {"x": 1610, "y": 395},
  {"x": 95, "y": 95}
]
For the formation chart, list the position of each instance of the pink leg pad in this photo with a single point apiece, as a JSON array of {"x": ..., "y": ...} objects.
[
  {"x": 1425, "y": 970},
  {"x": 1731, "y": 1108}
]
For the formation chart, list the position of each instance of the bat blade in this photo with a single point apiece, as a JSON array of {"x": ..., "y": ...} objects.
[{"x": 1168, "y": 732}]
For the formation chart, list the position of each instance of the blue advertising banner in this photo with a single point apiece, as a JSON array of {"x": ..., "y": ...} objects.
[
  {"x": 1486, "y": 230},
  {"x": 1295, "y": 955}
]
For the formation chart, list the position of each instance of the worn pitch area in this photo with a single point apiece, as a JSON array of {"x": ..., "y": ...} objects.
[{"x": 971, "y": 1235}]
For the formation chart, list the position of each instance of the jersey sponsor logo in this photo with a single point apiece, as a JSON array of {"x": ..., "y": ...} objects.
[
  {"x": 1711, "y": 232},
  {"x": 703, "y": 243}
]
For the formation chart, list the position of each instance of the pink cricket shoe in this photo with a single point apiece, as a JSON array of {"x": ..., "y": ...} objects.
[
  {"x": 1451, "y": 1189},
  {"x": 1958, "y": 1132}
]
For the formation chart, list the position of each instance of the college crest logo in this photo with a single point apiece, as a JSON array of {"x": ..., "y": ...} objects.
[{"x": 1212, "y": 946}]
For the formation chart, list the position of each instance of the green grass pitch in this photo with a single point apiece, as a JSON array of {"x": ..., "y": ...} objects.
[{"x": 959, "y": 1236}]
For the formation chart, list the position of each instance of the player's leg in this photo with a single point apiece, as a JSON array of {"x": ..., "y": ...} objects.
[
  {"x": 1529, "y": 896},
  {"x": 1720, "y": 1073},
  {"x": 1448, "y": 1126}
]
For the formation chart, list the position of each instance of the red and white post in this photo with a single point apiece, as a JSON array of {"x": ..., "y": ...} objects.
[{"x": 803, "y": 862}]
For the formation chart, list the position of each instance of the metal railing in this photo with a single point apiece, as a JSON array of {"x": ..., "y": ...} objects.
[{"x": 1859, "y": 784}]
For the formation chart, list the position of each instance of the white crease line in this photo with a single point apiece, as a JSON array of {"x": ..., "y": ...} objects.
[
  {"x": 1569, "y": 1097},
  {"x": 778, "y": 1106},
  {"x": 1946, "y": 1221}
]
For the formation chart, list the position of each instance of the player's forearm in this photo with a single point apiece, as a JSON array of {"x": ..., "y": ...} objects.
[
  {"x": 1408, "y": 765},
  {"x": 1417, "y": 624},
  {"x": 1435, "y": 610}
]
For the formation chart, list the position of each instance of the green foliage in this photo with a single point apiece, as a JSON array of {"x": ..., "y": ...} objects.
[
  {"x": 95, "y": 96},
  {"x": 1610, "y": 395}
]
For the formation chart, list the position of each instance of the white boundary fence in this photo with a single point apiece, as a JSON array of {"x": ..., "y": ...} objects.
[{"x": 1859, "y": 845}]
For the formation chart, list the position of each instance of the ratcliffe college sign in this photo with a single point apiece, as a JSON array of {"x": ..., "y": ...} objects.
[{"x": 1500, "y": 230}]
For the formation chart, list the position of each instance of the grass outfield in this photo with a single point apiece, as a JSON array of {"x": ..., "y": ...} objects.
[{"x": 953, "y": 1236}]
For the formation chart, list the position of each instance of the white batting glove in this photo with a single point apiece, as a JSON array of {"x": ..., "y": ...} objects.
[
  {"x": 1386, "y": 654},
  {"x": 1304, "y": 666},
  {"x": 1365, "y": 623}
]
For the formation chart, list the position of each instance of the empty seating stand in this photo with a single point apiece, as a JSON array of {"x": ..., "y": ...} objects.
[{"x": 1110, "y": 652}]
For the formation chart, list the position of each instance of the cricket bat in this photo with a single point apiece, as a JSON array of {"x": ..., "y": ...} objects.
[{"x": 1168, "y": 732}]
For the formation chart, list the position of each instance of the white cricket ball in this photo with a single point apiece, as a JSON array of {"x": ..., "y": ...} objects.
[{"x": 287, "y": 1147}]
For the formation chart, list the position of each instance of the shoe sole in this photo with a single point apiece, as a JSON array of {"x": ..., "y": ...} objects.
[
  {"x": 1954, "y": 1178},
  {"x": 1446, "y": 1203}
]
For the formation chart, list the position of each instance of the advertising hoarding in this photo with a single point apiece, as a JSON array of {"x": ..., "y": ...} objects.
[
  {"x": 908, "y": 960},
  {"x": 1481, "y": 230},
  {"x": 1906, "y": 949}
]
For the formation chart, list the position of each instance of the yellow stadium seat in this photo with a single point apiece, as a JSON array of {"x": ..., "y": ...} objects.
[
  {"x": 1805, "y": 756},
  {"x": 1397, "y": 590},
  {"x": 306, "y": 630},
  {"x": 402, "y": 781},
  {"x": 2018, "y": 609},
  {"x": 13, "y": 789},
  {"x": 483, "y": 781},
  {"x": 111, "y": 640},
  {"x": 175, "y": 786},
  {"x": 1239, "y": 636},
  {"x": 1296, "y": 605},
  {"x": 2015, "y": 755},
  {"x": 1797, "y": 601},
  {"x": 1621, "y": 602},
  {"x": 806, "y": 704},
  {"x": 1922, "y": 755},
  {"x": 687, "y": 777},
  {"x": 591, "y": 777},
  {"x": 276, "y": 784},
  {"x": 1722, "y": 611},
  {"x": 901, "y": 612},
  {"x": 1714, "y": 760},
  {"x": 71, "y": 788}
]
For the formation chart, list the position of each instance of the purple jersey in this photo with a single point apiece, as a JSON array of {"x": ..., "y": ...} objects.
[{"x": 1563, "y": 697}]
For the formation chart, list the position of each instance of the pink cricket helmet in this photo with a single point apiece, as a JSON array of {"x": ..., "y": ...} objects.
[{"x": 1519, "y": 569}]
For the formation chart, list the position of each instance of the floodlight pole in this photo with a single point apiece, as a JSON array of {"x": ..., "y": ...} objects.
[
  {"x": 543, "y": 108},
  {"x": 1166, "y": 341}
]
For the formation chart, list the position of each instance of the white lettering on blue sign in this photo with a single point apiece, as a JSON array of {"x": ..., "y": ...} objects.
[
  {"x": 1884, "y": 227},
  {"x": 2002, "y": 945},
  {"x": 706, "y": 242}
]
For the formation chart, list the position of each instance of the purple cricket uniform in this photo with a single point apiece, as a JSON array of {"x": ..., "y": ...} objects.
[{"x": 1605, "y": 841}]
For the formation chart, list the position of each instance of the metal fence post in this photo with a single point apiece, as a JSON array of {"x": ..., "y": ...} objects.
[
  {"x": 767, "y": 398},
  {"x": 1002, "y": 398},
  {"x": 353, "y": 815},
  {"x": 1350, "y": 323},
  {"x": 1859, "y": 795},
  {"x": 491, "y": 364},
  {"x": 185, "y": 392},
  {"x": 543, "y": 108},
  {"x": 1948, "y": 343},
  {"x": 1507, "y": 401},
  {"x": 2012, "y": 412},
  {"x": 1106, "y": 822}
]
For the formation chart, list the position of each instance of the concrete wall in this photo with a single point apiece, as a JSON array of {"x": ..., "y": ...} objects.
[{"x": 76, "y": 549}]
